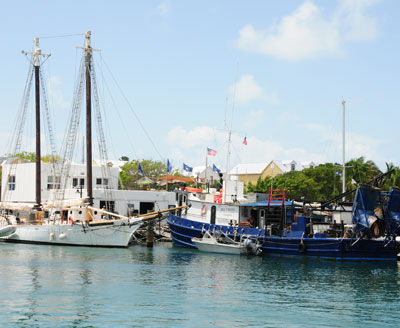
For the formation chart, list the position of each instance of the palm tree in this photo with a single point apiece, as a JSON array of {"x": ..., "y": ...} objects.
[{"x": 360, "y": 171}]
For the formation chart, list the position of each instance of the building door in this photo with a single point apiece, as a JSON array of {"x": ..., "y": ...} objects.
[
  {"x": 108, "y": 205},
  {"x": 146, "y": 207}
]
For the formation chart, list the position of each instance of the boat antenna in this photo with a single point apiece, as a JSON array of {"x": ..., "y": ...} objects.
[{"x": 36, "y": 53}]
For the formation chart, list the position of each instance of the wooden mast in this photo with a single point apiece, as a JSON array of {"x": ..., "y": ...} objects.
[
  {"x": 89, "y": 164},
  {"x": 37, "y": 52}
]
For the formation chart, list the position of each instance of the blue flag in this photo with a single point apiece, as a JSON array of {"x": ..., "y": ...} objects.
[
  {"x": 216, "y": 169},
  {"x": 140, "y": 169},
  {"x": 169, "y": 167},
  {"x": 187, "y": 168}
]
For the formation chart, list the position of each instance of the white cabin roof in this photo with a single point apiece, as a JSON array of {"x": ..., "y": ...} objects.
[{"x": 250, "y": 168}]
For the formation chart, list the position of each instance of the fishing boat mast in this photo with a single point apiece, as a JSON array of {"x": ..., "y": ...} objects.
[
  {"x": 343, "y": 149},
  {"x": 36, "y": 53},
  {"x": 89, "y": 170}
]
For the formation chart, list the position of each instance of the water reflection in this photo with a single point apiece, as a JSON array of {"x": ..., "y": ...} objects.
[{"x": 164, "y": 286}]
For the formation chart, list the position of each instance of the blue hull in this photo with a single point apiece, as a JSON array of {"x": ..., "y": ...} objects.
[{"x": 183, "y": 230}]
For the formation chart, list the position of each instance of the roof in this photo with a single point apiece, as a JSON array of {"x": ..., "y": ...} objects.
[
  {"x": 174, "y": 179},
  {"x": 258, "y": 168},
  {"x": 251, "y": 168}
]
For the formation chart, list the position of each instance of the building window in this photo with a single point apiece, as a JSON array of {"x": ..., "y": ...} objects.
[
  {"x": 53, "y": 182},
  {"x": 75, "y": 182},
  {"x": 292, "y": 167},
  {"x": 11, "y": 182},
  {"x": 81, "y": 182},
  {"x": 101, "y": 182}
]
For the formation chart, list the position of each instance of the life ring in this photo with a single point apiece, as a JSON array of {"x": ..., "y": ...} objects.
[
  {"x": 302, "y": 247},
  {"x": 203, "y": 210}
]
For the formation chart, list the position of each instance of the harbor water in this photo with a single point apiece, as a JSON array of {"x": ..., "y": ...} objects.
[{"x": 53, "y": 286}]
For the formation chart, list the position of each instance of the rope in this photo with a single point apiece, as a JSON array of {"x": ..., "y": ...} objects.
[
  {"x": 133, "y": 111},
  {"x": 60, "y": 36}
]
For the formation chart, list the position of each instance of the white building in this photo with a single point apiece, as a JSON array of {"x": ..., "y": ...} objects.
[{"x": 19, "y": 186}]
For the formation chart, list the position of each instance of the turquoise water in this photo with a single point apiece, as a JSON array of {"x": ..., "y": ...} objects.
[{"x": 46, "y": 286}]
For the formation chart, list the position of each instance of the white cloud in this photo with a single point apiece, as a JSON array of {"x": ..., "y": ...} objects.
[
  {"x": 190, "y": 145},
  {"x": 246, "y": 89},
  {"x": 254, "y": 119},
  {"x": 56, "y": 97},
  {"x": 162, "y": 8},
  {"x": 356, "y": 145},
  {"x": 306, "y": 33},
  {"x": 361, "y": 27},
  {"x": 202, "y": 135}
]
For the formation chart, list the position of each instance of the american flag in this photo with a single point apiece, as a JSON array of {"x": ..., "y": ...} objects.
[{"x": 211, "y": 152}]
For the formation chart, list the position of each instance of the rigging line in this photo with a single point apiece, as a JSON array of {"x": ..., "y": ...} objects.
[
  {"x": 120, "y": 117},
  {"x": 50, "y": 93},
  {"x": 60, "y": 36},
  {"x": 133, "y": 111}
]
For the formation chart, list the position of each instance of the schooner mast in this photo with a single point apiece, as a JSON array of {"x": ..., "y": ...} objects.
[
  {"x": 36, "y": 53},
  {"x": 89, "y": 161}
]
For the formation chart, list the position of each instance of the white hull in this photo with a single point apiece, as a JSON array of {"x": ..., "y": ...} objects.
[
  {"x": 211, "y": 246},
  {"x": 115, "y": 234}
]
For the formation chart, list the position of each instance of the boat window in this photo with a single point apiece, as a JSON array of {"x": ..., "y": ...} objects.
[
  {"x": 80, "y": 212},
  {"x": 11, "y": 182},
  {"x": 213, "y": 214}
]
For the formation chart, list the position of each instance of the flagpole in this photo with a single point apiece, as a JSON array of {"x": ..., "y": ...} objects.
[{"x": 205, "y": 174}]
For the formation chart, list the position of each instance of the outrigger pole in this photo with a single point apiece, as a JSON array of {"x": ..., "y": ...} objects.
[
  {"x": 374, "y": 182},
  {"x": 36, "y": 53}
]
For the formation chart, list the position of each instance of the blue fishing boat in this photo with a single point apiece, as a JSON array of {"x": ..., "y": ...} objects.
[{"x": 280, "y": 227}]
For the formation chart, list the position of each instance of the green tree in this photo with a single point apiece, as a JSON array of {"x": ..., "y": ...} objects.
[
  {"x": 29, "y": 156},
  {"x": 320, "y": 182},
  {"x": 130, "y": 174}
]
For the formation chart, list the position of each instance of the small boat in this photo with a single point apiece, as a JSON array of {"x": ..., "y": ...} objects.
[
  {"x": 222, "y": 244},
  {"x": 7, "y": 231}
]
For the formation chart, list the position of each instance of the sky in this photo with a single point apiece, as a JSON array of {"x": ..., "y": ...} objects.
[{"x": 178, "y": 77}]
